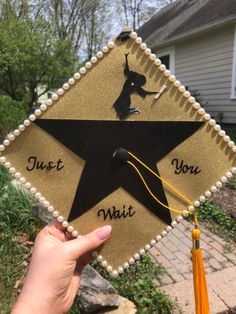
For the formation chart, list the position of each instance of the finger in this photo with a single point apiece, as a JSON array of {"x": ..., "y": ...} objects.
[
  {"x": 63, "y": 230},
  {"x": 58, "y": 225},
  {"x": 89, "y": 242},
  {"x": 56, "y": 230}
]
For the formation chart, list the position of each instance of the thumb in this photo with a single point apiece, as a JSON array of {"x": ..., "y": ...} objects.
[{"x": 89, "y": 242}]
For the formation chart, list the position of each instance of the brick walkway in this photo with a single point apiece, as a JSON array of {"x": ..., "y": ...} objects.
[{"x": 174, "y": 254}]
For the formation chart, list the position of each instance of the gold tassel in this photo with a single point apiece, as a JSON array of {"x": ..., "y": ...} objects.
[{"x": 199, "y": 277}]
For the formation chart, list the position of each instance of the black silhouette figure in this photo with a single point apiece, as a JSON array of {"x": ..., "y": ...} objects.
[{"x": 132, "y": 85}]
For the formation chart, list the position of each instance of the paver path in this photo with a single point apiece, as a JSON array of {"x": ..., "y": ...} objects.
[{"x": 174, "y": 254}]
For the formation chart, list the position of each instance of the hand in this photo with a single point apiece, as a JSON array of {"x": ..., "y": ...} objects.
[{"x": 53, "y": 277}]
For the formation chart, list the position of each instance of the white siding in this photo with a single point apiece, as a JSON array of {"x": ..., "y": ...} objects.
[{"x": 205, "y": 63}]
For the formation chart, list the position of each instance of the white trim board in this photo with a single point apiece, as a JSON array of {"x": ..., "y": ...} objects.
[
  {"x": 171, "y": 52},
  {"x": 233, "y": 83}
]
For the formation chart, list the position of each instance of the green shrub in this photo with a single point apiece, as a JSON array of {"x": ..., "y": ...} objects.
[
  {"x": 209, "y": 212},
  {"x": 217, "y": 221},
  {"x": 231, "y": 184},
  {"x": 137, "y": 284},
  {"x": 12, "y": 112},
  {"x": 15, "y": 219}
]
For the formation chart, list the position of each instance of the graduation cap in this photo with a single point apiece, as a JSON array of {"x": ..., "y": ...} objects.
[{"x": 121, "y": 143}]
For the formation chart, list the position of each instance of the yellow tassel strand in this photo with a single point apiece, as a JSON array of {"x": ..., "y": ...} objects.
[
  {"x": 164, "y": 181},
  {"x": 199, "y": 277},
  {"x": 150, "y": 192}
]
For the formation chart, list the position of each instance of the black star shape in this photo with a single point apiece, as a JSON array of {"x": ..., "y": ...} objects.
[{"x": 96, "y": 141}]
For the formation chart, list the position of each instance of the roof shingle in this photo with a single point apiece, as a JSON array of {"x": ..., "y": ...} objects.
[{"x": 182, "y": 17}]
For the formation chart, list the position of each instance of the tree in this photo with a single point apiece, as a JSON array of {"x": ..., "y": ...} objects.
[
  {"x": 67, "y": 19},
  {"x": 137, "y": 12},
  {"x": 83, "y": 22},
  {"x": 96, "y": 27},
  {"x": 132, "y": 10},
  {"x": 30, "y": 58},
  {"x": 21, "y": 9},
  {"x": 41, "y": 39}
]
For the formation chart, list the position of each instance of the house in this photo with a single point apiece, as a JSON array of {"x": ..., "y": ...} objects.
[{"x": 196, "y": 40}]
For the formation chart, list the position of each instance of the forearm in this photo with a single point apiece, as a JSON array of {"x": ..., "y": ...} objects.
[
  {"x": 35, "y": 299},
  {"x": 35, "y": 305}
]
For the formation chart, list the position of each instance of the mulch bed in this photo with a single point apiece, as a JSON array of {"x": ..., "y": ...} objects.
[{"x": 226, "y": 199}]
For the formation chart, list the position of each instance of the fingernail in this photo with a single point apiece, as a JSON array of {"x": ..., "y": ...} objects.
[{"x": 104, "y": 232}]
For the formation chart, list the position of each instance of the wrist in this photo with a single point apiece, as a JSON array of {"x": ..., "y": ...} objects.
[{"x": 35, "y": 304}]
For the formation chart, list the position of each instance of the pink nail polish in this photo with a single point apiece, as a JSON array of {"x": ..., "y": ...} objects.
[{"x": 104, "y": 232}]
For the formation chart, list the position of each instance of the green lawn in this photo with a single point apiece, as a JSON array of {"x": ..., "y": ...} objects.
[
  {"x": 15, "y": 222},
  {"x": 218, "y": 221}
]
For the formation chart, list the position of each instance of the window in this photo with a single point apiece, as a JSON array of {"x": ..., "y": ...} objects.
[
  {"x": 165, "y": 60},
  {"x": 167, "y": 57},
  {"x": 233, "y": 86}
]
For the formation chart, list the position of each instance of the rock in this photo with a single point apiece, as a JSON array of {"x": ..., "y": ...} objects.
[
  {"x": 125, "y": 307},
  {"x": 41, "y": 213},
  {"x": 38, "y": 210},
  {"x": 97, "y": 295},
  {"x": 95, "y": 292},
  {"x": 22, "y": 238}
]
